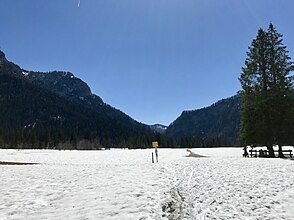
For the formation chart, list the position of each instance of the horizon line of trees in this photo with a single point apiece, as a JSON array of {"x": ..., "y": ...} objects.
[{"x": 73, "y": 140}]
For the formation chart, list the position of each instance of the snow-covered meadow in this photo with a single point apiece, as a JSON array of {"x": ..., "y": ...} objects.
[{"x": 124, "y": 184}]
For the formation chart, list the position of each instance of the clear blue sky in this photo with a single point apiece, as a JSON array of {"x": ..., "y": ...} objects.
[{"x": 151, "y": 59}]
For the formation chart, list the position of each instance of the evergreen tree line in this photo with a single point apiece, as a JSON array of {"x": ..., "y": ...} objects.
[
  {"x": 73, "y": 140},
  {"x": 267, "y": 116}
]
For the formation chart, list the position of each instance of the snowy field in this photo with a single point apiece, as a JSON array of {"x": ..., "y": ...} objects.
[{"x": 124, "y": 184}]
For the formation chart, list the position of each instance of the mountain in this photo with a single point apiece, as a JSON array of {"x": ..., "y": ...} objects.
[
  {"x": 9, "y": 68},
  {"x": 217, "y": 124},
  {"x": 62, "y": 83},
  {"x": 159, "y": 128},
  {"x": 72, "y": 88},
  {"x": 58, "y": 110}
]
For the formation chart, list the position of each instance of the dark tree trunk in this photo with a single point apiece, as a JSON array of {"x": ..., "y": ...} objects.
[
  {"x": 270, "y": 150},
  {"x": 281, "y": 155}
]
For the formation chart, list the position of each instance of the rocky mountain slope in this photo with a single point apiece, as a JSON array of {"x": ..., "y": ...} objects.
[{"x": 67, "y": 85}]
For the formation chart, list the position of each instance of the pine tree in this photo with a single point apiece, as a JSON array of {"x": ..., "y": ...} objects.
[
  {"x": 254, "y": 83},
  {"x": 281, "y": 85},
  {"x": 267, "y": 115}
]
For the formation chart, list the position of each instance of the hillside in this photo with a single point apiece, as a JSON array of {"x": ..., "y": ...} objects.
[
  {"x": 36, "y": 115},
  {"x": 217, "y": 124},
  {"x": 65, "y": 84}
]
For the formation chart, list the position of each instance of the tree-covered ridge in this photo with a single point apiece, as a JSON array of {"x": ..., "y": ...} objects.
[
  {"x": 216, "y": 125},
  {"x": 10, "y": 68},
  {"x": 74, "y": 89},
  {"x": 62, "y": 83},
  {"x": 32, "y": 116}
]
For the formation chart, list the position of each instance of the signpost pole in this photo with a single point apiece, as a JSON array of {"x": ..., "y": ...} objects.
[{"x": 155, "y": 145}]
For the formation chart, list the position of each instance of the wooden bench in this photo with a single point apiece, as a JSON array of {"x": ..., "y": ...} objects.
[
  {"x": 255, "y": 153},
  {"x": 286, "y": 152}
]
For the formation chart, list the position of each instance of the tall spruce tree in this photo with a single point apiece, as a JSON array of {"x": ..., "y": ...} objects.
[{"x": 267, "y": 117}]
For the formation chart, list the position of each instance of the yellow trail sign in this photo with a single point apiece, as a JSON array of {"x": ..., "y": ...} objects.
[{"x": 154, "y": 144}]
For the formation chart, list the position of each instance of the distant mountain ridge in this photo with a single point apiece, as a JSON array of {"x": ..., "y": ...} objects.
[
  {"x": 62, "y": 83},
  {"x": 159, "y": 128},
  {"x": 9, "y": 68},
  {"x": 218, "y": 123},
  {"x": 73, "y": 88}
]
